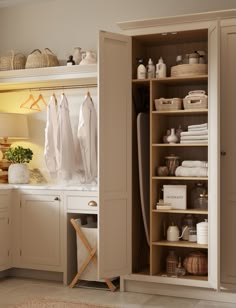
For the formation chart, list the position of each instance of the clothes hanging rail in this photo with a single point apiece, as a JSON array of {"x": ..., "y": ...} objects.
[{"x": 51, "y": 88}]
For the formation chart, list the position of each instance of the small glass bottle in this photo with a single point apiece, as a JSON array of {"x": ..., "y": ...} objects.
[
  {"x": 199, "y": 197},
  {"x": 180, "y": 270},
  {"x": 171, "y": 263}
]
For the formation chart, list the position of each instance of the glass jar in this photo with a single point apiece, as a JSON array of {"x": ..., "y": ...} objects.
[
  {"x": 171, "y": 263},
  {"x": 188, "y": 221},
  {"x": 172, "y": 162},
  {"x": 194, "y": 58},
  {"x": 199, "y": 197},
  {"x": 180, "y": 270}
]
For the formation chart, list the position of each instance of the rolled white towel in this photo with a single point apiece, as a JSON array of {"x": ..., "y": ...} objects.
[
  {"x": 196, "y": 132},
  {"x": 195, "y": 171},
  {"x": 194, "y": 163}
]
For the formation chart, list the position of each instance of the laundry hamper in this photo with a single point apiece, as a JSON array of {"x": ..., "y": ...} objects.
[{"x": 90, "y": 231}]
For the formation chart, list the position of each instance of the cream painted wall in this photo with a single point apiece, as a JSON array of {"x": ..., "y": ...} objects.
[{"x": 62, "y": 25}]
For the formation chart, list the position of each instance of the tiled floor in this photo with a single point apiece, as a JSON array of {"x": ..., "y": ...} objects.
[{"x": 15, "y": 290}]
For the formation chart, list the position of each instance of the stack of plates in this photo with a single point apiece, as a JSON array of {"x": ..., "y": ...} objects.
[{"x": 202, "y": 232}]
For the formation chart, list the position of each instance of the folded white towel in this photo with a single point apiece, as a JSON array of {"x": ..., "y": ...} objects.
[
  {"x": 204, "y": 141},
  {"x": 197, "y": 137},
  {"x": 196, "y": 132},
  {"x": 198, "y": 126},
  {"x": 194, "y": 163},
  {"x": 195, "y": 171}
]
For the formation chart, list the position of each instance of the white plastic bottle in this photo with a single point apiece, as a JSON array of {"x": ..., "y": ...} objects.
[
  {"x": 160, "y": 69},
  {"x": 150, "y": 69},
  {"x": 141, "y": 70}
]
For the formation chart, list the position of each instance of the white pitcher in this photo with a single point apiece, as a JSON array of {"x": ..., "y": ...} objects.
[{"x": 77, "y": 55}]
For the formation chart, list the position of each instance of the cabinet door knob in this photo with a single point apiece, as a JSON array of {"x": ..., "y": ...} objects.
[
  {"x": 92, "y": 203},
  {"x": 222, "y": 153},
  {"x": 56, "y": 199}
]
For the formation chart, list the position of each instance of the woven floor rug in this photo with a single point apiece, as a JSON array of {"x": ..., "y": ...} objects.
[{"x": 48, "y": 303}]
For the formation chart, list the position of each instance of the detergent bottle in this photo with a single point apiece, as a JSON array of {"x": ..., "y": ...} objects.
[{"x": 160, "y": 69}]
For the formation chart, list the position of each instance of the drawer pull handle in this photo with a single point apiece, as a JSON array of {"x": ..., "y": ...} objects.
[
  {"x": 56, "y": 199},
  {"x": 92, "y": 203}
]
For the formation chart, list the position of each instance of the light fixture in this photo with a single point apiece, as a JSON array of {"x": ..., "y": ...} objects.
[{"x": 12, "y": 126}]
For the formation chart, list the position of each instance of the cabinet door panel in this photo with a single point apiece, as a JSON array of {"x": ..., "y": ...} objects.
[
  {"x": 4, "y": 239},
  {"x": 213, "y": 154},
  {"x": 114, "y": 155},
  {"x": 228, "y": 165},
  {"x": 40, "y": 231}
]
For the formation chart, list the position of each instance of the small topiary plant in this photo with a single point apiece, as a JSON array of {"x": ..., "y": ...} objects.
[{"x": 19, "y": 155}]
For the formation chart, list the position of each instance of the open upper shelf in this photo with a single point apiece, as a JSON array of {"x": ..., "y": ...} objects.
[{"x": 48, "y": 76}]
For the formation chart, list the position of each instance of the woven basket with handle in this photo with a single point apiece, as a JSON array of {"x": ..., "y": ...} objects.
[
  {"x": 12, "y": 61},
  {"x": 38, "y": 59}
]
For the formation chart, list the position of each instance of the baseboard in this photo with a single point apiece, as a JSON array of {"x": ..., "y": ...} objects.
[{"x": 33, "y": 274}]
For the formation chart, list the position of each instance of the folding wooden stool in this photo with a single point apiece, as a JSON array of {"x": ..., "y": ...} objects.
[{"x": 91, "y": 257}]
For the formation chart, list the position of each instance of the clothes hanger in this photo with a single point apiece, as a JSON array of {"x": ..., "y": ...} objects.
[
  {"x": 40, "y": 98},
  {"x": 30, "y": 99}
]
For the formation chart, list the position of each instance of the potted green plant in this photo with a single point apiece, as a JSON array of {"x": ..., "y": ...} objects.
[{"x": 19, "y": 157}]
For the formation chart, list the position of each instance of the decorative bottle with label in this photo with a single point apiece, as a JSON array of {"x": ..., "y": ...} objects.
[
  {"x": 150, "y": 69},
  {"x": 141, "y": 70}
]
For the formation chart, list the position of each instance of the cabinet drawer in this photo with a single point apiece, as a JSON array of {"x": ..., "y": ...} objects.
[{"x": 82, "y": 203}]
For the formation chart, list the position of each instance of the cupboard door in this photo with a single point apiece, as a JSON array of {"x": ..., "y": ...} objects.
[
  {"x": 40, "y": 232},
  {"x": 213, "y": 154},
  {"x": 228, "y": 154},
  {"x": 114, "y": 146},
  {"x": 4, "y": 240}
]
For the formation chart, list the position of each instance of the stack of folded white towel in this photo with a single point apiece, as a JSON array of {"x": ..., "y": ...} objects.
[
  {"x": 195, "y": 134},
  {"x": 192, "y": 168}
]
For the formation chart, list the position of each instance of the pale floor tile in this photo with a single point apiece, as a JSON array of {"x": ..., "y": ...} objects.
[{"x": 16, "y": 290}]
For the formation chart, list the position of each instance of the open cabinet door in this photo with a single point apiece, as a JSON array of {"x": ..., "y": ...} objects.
[
  {"x": 214, "y": 155},
  {"x": 114, "y": 158}
]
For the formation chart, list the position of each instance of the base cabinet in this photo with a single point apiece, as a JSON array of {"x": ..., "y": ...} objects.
[{"x": 40, "y": 231}]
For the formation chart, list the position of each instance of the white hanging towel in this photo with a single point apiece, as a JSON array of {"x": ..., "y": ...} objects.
[
  {"x": 50, "y": 148},
  {"x": 87, "y": 136},
  {"x": 65, "y": 142}
]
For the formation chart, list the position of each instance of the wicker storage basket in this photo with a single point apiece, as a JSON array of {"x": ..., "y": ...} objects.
[
  {"x": 196, "y": 100},
  {"x": 39, "y": 59},
  {"x": 12, "y": 61},
  {"x": 186, "y": 70},
  {"x": 168, "y": 104}
]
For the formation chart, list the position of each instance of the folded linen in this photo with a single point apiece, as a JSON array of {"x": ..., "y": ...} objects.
[
  {"x": 204, "y": 141},
  {"x": 194, "y": 171},
  {"x": 195, "y": 132},
  {"x": 198, "y": 126},
  {"x": 197, "y": 137},
  {"x": 194, "y": 163}
]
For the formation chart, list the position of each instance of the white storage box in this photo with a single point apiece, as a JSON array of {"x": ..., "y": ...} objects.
[{"x": 176, "y": 195}]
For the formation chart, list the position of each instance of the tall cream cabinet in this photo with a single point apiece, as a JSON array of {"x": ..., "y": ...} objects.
[
  {"x": 228, "y": 152},
  {"x": 167, "y": 38}
]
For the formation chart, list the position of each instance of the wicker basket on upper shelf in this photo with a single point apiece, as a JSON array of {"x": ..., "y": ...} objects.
[
  {"x": 187, "y": 70},
  {"x": 37, "y": 59},
  {"x": 12, "y": 61}
]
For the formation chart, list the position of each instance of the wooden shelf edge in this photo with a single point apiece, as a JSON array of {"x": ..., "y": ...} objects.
[
  {"x": 181, "y": 111},
  {"x": 172, "y": 79},
  {"x": 188, "y": 211},
  {"x": 185, "y": 244},
  {"x": 179, "y": 145},
  {"x": 181, "y": 178}
]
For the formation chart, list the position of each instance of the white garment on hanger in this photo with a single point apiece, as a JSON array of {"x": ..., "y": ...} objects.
[
  {"x": 65, "y": 142},
  {"x": 50, "y": 149},
  {"x": 87, "y": 136}
]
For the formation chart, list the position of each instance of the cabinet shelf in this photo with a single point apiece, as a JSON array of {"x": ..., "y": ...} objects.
[
  {"x": 181, "y": 178},
  {"x": 184, "y": 112},
  {"x": 174, "y": 80},
  {"x": 188, "y": 211},
  {"x": 188, "y": 276},
  {"x": 180, "y": 244},
  {"x": 179, "y": 145}
]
